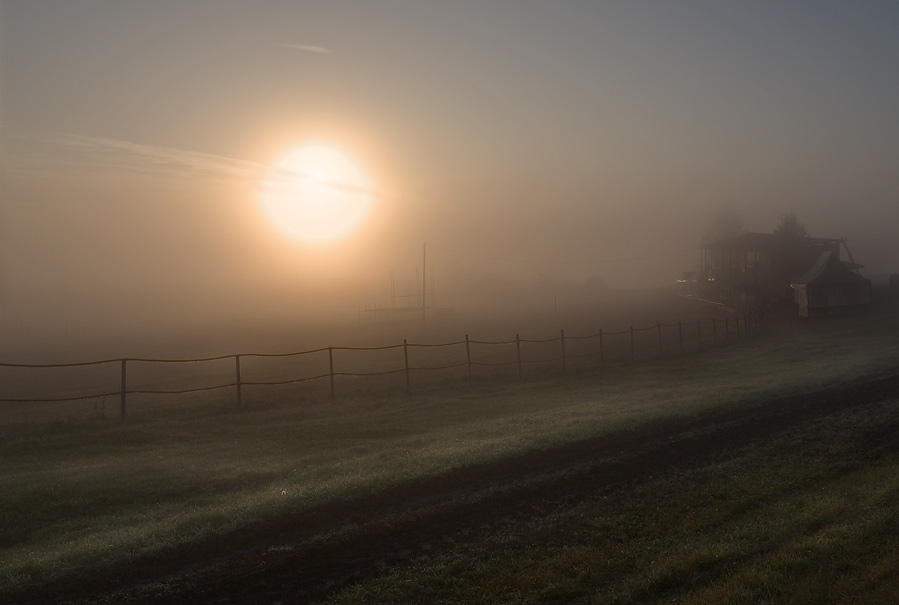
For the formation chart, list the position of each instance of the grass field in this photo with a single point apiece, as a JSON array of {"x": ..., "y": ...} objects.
[
  {"x": 803, "y": 514},
  {"x": 365, "y": 358},
  {"x": 809, "y": 517}
]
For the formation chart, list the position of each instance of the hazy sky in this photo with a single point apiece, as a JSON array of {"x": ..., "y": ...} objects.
[{"x": 135, "y": 136}]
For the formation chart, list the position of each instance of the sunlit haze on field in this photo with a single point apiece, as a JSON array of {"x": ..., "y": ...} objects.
[{"x": 172, "y": 170}]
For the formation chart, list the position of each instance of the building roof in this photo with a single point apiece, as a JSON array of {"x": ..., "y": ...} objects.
[
  {"x": 757, "y": 242},
  {"x": 829, "y": 270}
]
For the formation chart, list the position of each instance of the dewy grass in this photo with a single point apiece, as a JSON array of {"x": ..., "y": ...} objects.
[
  {"x": 807, "y": 518},
  {"x": 78, "y": 497}
]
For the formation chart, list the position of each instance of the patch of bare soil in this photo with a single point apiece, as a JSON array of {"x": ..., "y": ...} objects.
[{"x": 309, "y": 556}]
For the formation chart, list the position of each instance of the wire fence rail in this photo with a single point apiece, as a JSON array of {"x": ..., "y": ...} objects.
[{"x": 688, "y": 335}]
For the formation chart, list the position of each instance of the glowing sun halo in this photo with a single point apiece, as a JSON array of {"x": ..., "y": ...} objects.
[{"x": 316, "y": 193}]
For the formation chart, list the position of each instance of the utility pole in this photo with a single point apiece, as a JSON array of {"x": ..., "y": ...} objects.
[
  {"x": 424, "y": 259},
  {"x": 392, "y": 310}
]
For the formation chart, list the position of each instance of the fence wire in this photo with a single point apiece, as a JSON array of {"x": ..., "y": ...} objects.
[{"x": 696, "y": 336}]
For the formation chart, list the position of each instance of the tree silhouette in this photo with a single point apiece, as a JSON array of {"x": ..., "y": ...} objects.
[
  {"x": 791, "y": 251},
  {"x": 789, "y": 228}
]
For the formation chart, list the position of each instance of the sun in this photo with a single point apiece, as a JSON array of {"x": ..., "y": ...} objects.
[{"x": 316, "y": 193}]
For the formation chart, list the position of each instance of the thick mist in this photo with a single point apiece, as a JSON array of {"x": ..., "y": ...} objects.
[{"x": 553, "y": 160}]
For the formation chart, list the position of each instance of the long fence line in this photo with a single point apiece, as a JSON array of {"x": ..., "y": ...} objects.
[{"x": 721, "y": 330}]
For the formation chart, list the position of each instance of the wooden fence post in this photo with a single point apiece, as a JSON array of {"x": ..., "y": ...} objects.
[
  {"x": 659, "y": 330},
  {"x": 727, "y": 328},
  {"x": 331, "y": 370},
  {"x": 122, "y": 404},
  {"x": 406, "y": 355},
  {"x": 564, "y": 364},
  {"x": 737, "y": 318},
  {"x": 633, "y": 350},
  {"x": 699, "y": 333},
  {"x": 518, "y": 353},
  {"x": 468, "y": 354},
  {"x": 714, "y": 330},
  {"x": 237, "y": 372},
  {"x": 680, "y": 336}
]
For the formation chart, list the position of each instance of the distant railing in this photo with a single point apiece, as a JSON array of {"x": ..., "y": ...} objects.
[{"x": 717, "y": 330}]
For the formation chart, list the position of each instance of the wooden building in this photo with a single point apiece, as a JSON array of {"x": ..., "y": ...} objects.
[
  {"x": 831, "y": 287},
  {"x": 757, "y": 269}
]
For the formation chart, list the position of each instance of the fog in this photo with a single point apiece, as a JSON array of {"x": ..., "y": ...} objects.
[{"x": 550, "y": 156}]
